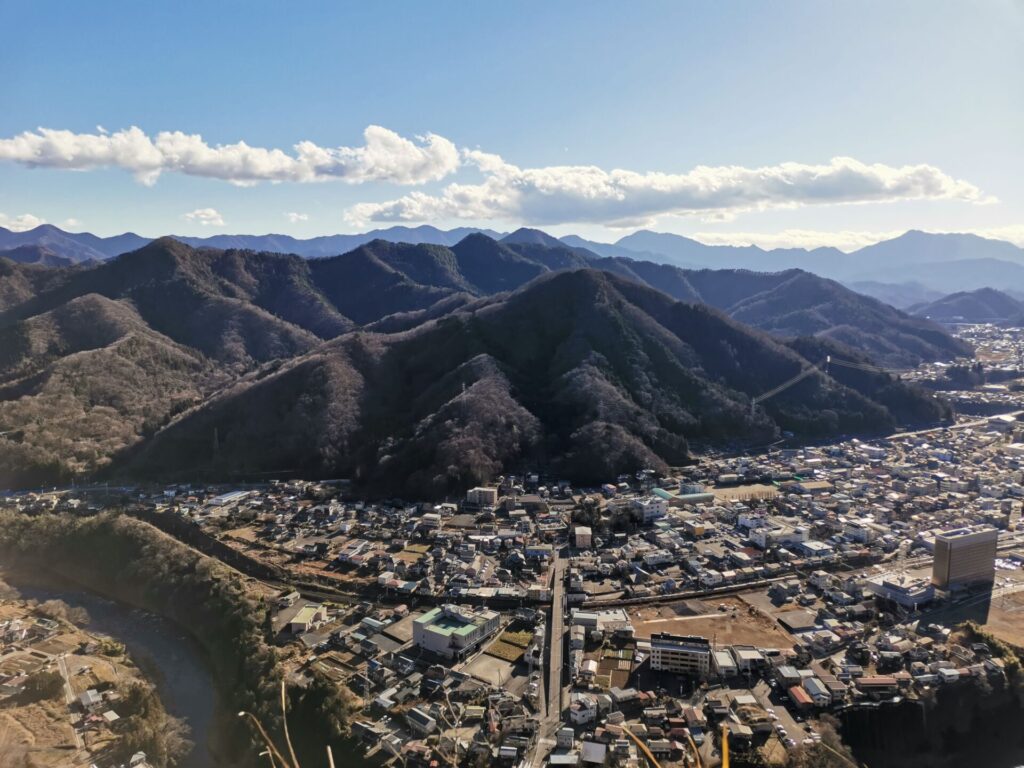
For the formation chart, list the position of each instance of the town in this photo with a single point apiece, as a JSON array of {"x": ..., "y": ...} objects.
[{"x": 742, "y": 603}]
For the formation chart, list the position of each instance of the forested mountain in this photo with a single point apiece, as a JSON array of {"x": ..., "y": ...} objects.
[
  {"x": 347, "y": 364},
  {"x": 985, "y": 305},
  {"x": 582, "y": 372}
]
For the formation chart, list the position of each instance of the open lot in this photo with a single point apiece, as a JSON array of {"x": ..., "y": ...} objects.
[
  {"x": 740, "y": 622},
  {"x": 1001, "y": 612},
  {"x": 490, "y": 669},
  {"x": 745, "y": 492}
]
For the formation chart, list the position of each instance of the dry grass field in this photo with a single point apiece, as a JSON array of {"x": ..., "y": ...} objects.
[{"x": 738, "y": 623}]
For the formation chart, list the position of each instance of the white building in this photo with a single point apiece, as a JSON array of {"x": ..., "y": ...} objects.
[
  {"x": 482, "y": 496},
  {"x": 652, "y": 507},
  {"x": 902, "y": 589},
  {"x": 453, "y": 631},
  {"x": 681, "y": 654}
]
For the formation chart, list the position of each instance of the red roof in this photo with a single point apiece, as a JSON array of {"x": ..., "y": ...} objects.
[
  {"x": 799, "y": 695},
  {"x": 879, "y": 680}
]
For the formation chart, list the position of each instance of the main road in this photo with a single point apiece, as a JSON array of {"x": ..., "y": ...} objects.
[{"x": 556, "y": 644}]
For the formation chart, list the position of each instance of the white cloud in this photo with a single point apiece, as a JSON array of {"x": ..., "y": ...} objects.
[
  {"x": 588, "y": 194},
  {"x": 295, "y": 218},
  {"x": 22, "y": 223},
  {"x": 385, "y": 156},
  {"x": 70, "y": 223},
  {"x": 208, "y": 217}
]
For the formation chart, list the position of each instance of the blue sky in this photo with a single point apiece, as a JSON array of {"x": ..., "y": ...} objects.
[{"x": 586, "y": 117}]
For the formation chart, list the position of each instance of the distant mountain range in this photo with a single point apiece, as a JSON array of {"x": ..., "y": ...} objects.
[
  {"x": 985, "y": 305},
  {"x": 420, "y": 368},
  {"x": 939, "y": 263}
]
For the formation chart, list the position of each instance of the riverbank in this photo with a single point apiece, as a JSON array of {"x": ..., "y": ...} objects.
[
  {"x": 225, "y": 614},
  {"x": 167, "y": 657},
  {"x": 74, "y": 694}
]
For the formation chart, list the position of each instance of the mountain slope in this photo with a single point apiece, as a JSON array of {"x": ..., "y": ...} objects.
[
  {"x": 581, "y": 372},
  {"x": 797, "y": 303},
  {"x": 39, "y": 255},
  {"x": 985, "y": 305},
  {"x": 899, "y": 295},
  {"x": 365, "y": 287},
  {"x": 83, "y": 382},
  {"x": 179, "y": 293}
]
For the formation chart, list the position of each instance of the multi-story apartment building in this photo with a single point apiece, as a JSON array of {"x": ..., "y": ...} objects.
[{"x": 681, "y": 654}]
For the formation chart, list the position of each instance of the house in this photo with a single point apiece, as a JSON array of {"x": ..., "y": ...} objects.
[
  {"x": 420, "y": 721},
  {"x": 565, "y": 738},
  {"x": 583, "y": 709},
  {"x": 308, "y": 617},
  {"x": 820, "y": 695}
]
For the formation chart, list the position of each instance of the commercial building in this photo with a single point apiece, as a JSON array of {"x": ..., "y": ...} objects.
[
  {"x": 902, "y": 589},
  {"x": 681, "y": 654},
  {"x": 964, "y": 556},
  {"x": 453, "y": 631}
]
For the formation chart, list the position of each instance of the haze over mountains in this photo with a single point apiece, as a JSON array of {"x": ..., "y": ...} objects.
[
  {"x": 940, "y": 263},
  {"x": 421, "y": 367},
  {"x": 985, "y": 305}
]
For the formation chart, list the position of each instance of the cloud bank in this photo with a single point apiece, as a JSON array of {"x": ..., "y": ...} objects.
[
  {"x": 384, "y": 156},
  {"x": 500, "y": 191},
  {"x": 208, "y": 217},
  {"x": 21, "y": 223},
  {"x": 588, "y": 194}
]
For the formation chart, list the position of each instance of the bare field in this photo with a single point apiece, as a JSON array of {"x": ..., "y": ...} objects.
[
  {"x": 41, "y": 729},
  {"x": 744, "y": 625}
]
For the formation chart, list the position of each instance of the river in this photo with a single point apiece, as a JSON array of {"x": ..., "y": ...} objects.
[{"x": 167, "y": 656}]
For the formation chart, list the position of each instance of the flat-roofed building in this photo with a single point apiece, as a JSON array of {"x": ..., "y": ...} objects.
[
  {"x": 482, "y": 496},
  {"x": 681, "y": 654},
  {"x": 902, "y": 589},
  {"x": 453, "y": 631},
  {"x": 964, "y": 556}
]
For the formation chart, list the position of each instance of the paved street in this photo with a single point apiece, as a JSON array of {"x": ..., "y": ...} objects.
[{"x": 556, "y": 644}]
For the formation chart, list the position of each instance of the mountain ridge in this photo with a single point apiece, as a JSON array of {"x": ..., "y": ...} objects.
[{"x": 368, "y": 352}]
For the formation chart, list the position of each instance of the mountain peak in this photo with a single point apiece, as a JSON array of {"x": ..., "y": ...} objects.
[{"x": 527, "y": 236}]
